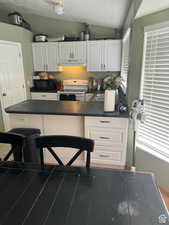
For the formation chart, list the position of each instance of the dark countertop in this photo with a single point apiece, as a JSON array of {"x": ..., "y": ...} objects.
[{"x": 74, "y": 108}]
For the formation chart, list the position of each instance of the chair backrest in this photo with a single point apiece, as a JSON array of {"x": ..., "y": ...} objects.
[
  {"x": 83, "y": 144},
  {"x": 16, "y": 141}
]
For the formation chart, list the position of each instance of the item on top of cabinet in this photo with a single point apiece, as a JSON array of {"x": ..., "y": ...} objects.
[
  {"x": 111, "y": 83},
  {"x": 15, "y": 18},
  {"x": 56, "y": 39},
  {"x": 82, "y": 34},
  {"x": 86, "y": 32},
  {"x": 40, "y": 38},
  {"x": 71, "y": 38}
]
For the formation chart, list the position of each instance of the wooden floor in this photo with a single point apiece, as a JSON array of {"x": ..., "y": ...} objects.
[{"x": 165, "y": 195}]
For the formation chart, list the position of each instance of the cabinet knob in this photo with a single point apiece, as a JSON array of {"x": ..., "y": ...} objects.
[{"x": 4, "y": 94}]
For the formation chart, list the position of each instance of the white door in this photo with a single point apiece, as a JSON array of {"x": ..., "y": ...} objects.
[
  {"x": 39, "y": 57},
  {"x": 95, "y": 54},
  {"x": 52, "y": 56},
  {"x": 12, "y": 82},
  {"x": 112, "y": 58}
]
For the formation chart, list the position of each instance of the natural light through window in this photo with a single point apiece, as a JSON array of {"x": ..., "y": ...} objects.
[{"x": 153, "y": 135}]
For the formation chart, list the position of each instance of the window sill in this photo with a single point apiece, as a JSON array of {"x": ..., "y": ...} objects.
[{"x": 152, "y": 152}]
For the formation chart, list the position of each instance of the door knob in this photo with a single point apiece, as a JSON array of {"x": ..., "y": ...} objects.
[{"x": 4, "y": 94}]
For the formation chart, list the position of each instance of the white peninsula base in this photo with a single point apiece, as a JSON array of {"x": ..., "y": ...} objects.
[{"x": 109, "y": 134}]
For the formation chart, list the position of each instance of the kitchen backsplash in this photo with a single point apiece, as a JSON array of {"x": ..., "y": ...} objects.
[{"x": 79, "y": 72}]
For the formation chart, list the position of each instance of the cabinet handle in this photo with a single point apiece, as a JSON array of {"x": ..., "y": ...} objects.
[
  {"x": 103, "y": 121},
  {"x": 104, "y": 156},
  {"x": 43, "y": 95},
  {"x": 105, "y": 138}
]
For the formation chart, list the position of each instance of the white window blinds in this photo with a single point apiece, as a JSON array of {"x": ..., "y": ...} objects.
[
  {"x": 154, "y": 133},
  {"x": 125, "y": 57}
]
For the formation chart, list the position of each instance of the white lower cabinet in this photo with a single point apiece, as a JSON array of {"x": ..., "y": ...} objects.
[
  {"x": 44, "y": 96},
  {"x": 110, "y": 136}
]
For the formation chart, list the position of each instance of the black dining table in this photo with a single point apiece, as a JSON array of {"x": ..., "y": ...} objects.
[{"x": 31, "y": 195}]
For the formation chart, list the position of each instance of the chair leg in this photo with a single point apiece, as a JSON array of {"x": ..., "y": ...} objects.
[
  {"x": 88, "y": 160},
  {"x": 41, "y": 157}
]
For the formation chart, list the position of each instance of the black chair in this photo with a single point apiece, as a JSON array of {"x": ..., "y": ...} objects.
[
  {"x": 16, "y": 142},
  {"x": 83, "y": 144}
]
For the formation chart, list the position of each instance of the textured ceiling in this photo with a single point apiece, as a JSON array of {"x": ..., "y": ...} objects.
[
  {"x": 151, "y": 6},
  {"x": 110, "y": 13}
]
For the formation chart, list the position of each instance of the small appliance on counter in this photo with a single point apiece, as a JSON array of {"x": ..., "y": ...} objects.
[
  {"x": 94, "y": 84},
  {"x": 73, "y": 90},
  {"x": 45, "y": 85}
]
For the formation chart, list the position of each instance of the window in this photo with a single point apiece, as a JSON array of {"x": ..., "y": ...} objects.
[
  {"x": 125, "y": 57},
  {"x": 153, "y": 135}
]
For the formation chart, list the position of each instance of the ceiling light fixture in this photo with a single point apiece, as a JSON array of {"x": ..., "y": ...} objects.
[{"x": 58, "y": 7}]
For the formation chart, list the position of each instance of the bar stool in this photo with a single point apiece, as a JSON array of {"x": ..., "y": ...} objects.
[{"x": 30, "y": 151}]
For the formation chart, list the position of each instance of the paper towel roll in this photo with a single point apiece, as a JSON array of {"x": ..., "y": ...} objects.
[{"x": 109, "y": 100}]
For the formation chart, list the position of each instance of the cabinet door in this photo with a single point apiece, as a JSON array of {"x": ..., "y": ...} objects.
[
  {"x": 112, "y": 60},
  {"x": 95, "y": 54},
  {"x": 72, "y": 53},
  {"x": 39, "y": 56},
  {"x": 64, "y": 125},
  {"x": 52, "y": 56}
]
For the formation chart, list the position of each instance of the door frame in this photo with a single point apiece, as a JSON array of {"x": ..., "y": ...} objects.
[{"x": 18, "y": 44}]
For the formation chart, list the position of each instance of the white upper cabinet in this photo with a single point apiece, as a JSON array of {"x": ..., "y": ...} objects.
[
  {"x": 95, "y": 52},
  {"x": 45, "y": 56},
  {"x": 72, "y": 53},
  {"x": 112, "y": 55},
  {"x": 99, "y": 56},
  {"x": 104, "y": 55}
]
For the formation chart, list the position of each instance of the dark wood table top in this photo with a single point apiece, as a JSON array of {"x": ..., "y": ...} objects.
[{"x": 75, "y": 196}]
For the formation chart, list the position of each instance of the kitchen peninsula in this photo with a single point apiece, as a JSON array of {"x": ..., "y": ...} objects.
[{"x": 86, "y": 119}]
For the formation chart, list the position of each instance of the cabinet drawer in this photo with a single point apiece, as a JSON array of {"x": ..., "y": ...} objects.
[
  {"x": 101, "y": 148},
  {"x": 44, "y": 96},
  {"x": 114, "y": 156},
  {"x": 26, "y": 121},
  {"x": 107, "y": 136},
  {"x": 107, "y": 122}
]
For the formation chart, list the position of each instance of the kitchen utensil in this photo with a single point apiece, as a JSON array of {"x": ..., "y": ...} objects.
[{"x": 40, "y": 38}]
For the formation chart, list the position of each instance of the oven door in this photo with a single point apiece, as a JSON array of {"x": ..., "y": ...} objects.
[{"x": 67, "y": 97}]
